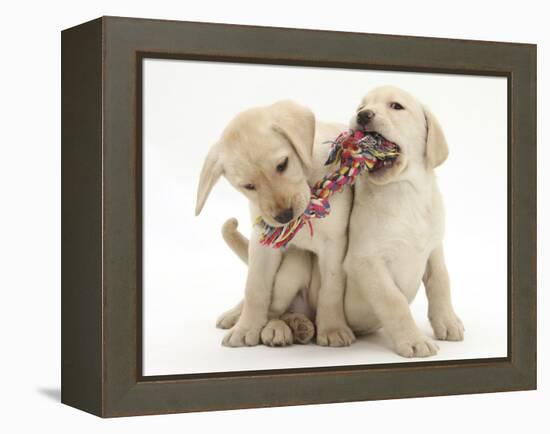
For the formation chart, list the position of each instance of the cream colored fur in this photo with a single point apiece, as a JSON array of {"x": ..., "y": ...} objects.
[
  {"x": 403, "y": 211},
  {"x": 248, "y": 153},
  {"x": 396, "y": 233}
]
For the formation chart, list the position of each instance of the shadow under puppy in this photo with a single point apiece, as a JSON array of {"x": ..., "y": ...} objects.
[{"x": 272, "y": 155}]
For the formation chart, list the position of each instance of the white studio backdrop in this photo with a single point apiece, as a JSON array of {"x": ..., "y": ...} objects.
[{"x": 191, "y": 276}]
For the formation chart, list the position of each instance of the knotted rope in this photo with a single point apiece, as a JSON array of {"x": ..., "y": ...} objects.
[{"x": 357, "y": 152}]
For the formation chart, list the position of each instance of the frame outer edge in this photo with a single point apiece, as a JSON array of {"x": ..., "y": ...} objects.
[
  {"x": 523, "y": 238},
  {"x": 81, "y": 214},
  {"x": 528, "y": 364}
]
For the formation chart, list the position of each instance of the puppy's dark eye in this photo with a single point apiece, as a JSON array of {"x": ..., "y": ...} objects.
[
  {"x": 281, "y": 167},
  {"x": 396, "y": 106},
  {"x": 249, "y": 186}
]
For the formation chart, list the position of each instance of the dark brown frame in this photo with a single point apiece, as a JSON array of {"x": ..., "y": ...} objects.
[{"x": 101, "y": 216}]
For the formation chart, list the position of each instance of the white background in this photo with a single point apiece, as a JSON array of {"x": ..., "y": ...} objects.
[
  {"x": 30, "y": 218},
  {"x": 190, "y": 276}
]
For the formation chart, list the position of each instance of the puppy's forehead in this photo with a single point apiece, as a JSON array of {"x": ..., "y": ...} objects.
[
  {"x": 388, "y": 94},
  {"x": 251, "y": 134},
  {"x": 255, "y": 142},
  {"x": 241, "y": 169},
  {"x": 249, "y": 123},
  {"x": 244, "y": 165},
  {"x": 251, "y": 150}
]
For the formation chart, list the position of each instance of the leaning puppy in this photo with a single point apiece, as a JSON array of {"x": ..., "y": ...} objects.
[
  {"x": 272, "y": 154},
  {"x": 403, "y": 210}
]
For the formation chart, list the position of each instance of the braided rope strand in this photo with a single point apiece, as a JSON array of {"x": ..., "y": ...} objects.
[{"x": 357, "y": 152}]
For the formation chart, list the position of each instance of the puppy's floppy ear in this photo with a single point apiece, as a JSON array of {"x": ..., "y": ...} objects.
[
  {"x": 211, "y": 171},
  {"x": 437, "y": 150},
  {"x": 297, "y": 124}
]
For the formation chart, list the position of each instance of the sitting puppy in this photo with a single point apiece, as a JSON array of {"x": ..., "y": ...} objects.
[
  {"x": 403, "y": 210},
  {"x": 272, "y": 155}
]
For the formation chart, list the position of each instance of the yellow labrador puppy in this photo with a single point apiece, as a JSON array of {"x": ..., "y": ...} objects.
[
  {"x": 403, "y": 210},
  {"x": 272, "y": 154}
]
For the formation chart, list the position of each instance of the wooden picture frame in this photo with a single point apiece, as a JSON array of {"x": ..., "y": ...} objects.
[{"x": 101, "y": 216}]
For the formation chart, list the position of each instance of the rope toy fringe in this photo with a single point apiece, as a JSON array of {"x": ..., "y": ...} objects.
[{"x": 357, "y": 152}]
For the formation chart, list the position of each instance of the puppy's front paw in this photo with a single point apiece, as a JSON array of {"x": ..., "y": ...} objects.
[
  {"x": 276, "y": 334},
  {"x": 340, "y": 336},
  {"x": 447, "y": 326},
  {"x": 240, "y": 336},
  {"x": 228, "y": 319},
  {"x": 419, "y": 346}
]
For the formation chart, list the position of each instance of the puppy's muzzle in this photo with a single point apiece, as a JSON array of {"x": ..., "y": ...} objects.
[
  {"x": 365, "y": 116},
  {"x": 285, "y": 216}
]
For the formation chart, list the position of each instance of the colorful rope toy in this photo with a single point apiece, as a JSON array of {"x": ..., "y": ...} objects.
[{"x": 357, "y": 152}]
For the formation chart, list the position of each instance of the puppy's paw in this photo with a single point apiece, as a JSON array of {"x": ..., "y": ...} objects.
[
  {"x": 240, "y": 336},
  {"x": 302, "y": 328},
  {"x": 340, "y": 336},
  {"x": 276, "y": 334},
  {"x": 447, "y": 326},
  {"x": 419, "y": 346},
  {"x": 228, "y": 319}
]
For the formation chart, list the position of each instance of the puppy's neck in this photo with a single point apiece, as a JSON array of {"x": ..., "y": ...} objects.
[{"x": 416, "y": 181}]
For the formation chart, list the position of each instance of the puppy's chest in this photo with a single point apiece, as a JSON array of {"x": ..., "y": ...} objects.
[
  {"x": 397, "y": 220},
  {"x": 331, "y": 229}
]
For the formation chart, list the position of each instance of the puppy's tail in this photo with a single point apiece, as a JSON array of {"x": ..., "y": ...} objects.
[{"x": 235, "y": 240}]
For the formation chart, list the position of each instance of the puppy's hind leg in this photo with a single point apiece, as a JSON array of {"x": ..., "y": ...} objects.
[
  {"x": 293, "y": 275},
  {"x": 302, "y": 310},
  {"x": 229, "y": 318}
]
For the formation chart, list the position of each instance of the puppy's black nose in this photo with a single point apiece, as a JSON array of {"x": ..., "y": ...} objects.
[
  {"x": 285, "y": 216},
  {"x": 364, "y": 117}
]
